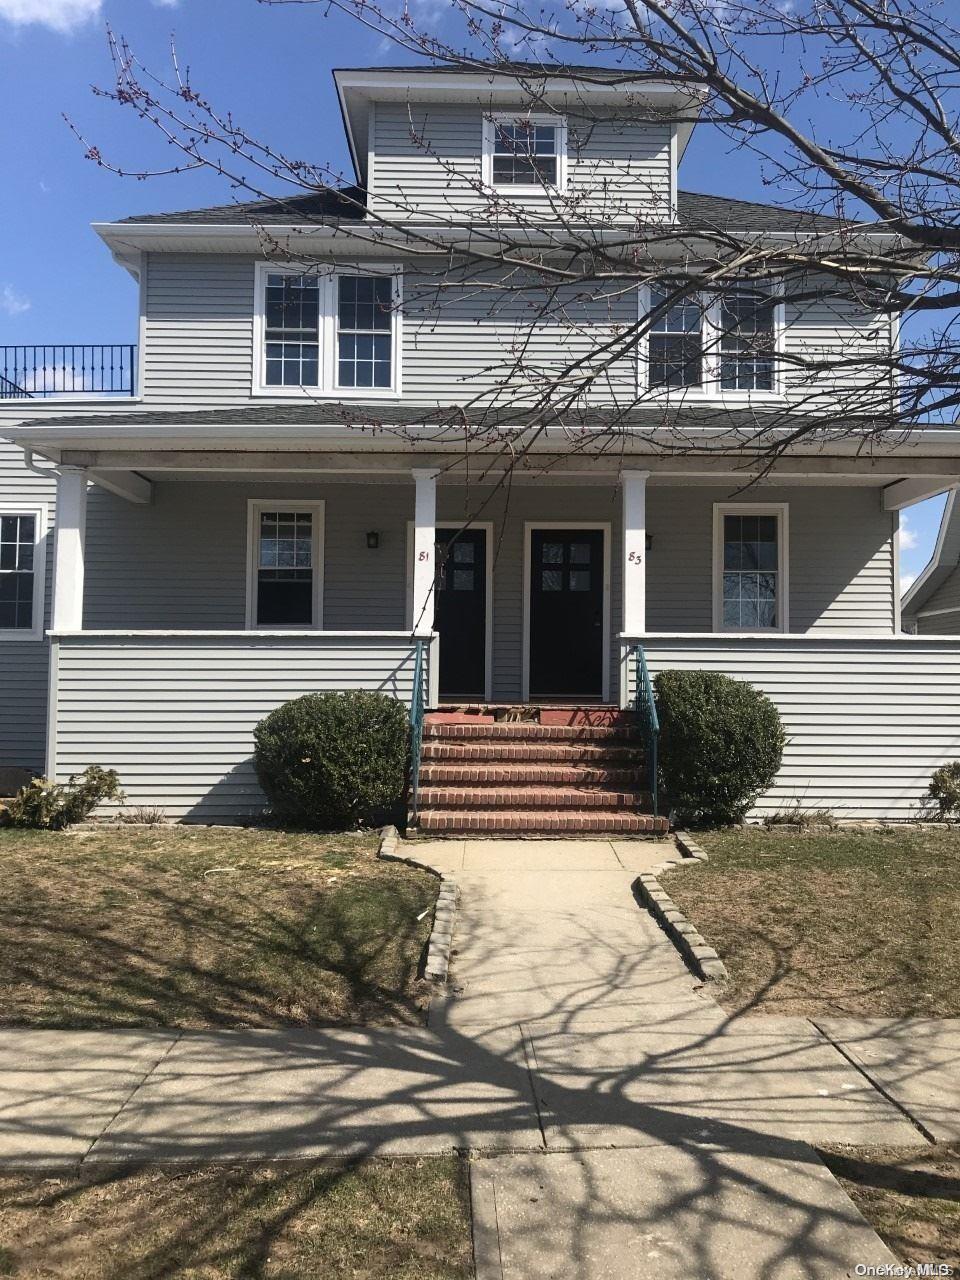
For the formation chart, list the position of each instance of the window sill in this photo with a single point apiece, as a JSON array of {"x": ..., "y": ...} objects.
[
  {"x": 20, "y": 637},
  {"x": 717, "y": 397},
  {"x": 359, "y": 394}
]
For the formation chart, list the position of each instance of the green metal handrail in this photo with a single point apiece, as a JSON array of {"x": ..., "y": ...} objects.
[
  {"x": 646, "y": 709},
  {"x": 417, "y": 708}
]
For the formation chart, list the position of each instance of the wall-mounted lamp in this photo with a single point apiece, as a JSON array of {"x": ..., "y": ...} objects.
[
  {"x": 649, "y": 541},
  {"x": 373, "y": 539}
]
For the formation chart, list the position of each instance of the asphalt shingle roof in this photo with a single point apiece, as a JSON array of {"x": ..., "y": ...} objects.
[{"x": 694, "y": 210}]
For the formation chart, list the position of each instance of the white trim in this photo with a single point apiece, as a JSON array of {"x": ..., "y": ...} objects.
[
  {"x": 782, "y": 511},
  {"x": 933, "y": 613},
  {"x": 895, "y": 562},
  {"x": 674, "y": 172},
  {"x": 606, "y": 527},
  {"x": 558, "y": 122},
  {"x": 487, "y": 526},
  {"x": 39, "y": 512},
  {"x": 710, "y": 390},
  {"x": 142, "y": 286},
  {"x": 254, "y": 507},
  {"x": 935, "y": 560},
  {"x": 327, "y": 275}
]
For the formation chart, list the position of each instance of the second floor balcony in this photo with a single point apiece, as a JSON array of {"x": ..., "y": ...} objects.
[{"x": 64, "y": 370}]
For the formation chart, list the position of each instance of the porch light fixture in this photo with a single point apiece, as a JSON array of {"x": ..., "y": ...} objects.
[{"x": 373, "y": 539}]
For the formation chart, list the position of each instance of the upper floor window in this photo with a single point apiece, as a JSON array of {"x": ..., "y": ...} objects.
[
  {"x": 21, "y": 573},
  {"x": 331, "y": 332},
  {"x": 716, "y": 343},
  {"x": 524, "y": 152}
]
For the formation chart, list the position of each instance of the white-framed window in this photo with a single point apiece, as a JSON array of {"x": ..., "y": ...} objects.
[
  {"x": 332, "y": 332},
  {"x": 750, "y": 567},
  {"x": 23, "y": 531},
  {"x": 525, "y": 152},
  {"x": 284, "y": 565},
  {"x": 723, "y": 344}
]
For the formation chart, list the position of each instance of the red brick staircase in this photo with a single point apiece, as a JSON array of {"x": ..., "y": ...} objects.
[{"x": 562, "y": 771}]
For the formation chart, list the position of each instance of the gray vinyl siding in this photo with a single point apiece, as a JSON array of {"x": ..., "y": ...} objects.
[
  {"x": 932, "y": 618},
  {"x": 457, "y": 342},
  {"x": 427, "y": 165},
  {"x": 24, "y": 663},
  {"x": 867, "y": 721},
  {"x": 175, "y": 717},
  {"x": 180, "y": 563}
]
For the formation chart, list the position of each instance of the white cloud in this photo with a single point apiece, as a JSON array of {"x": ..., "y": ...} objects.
[
  {"x": 906, "y": 581},
  {"x": 58, "y": 15},
  {"x": 908, "y": 535},
  {"x": 166, "y": 4},
  {"x": 12, "y": 302}
]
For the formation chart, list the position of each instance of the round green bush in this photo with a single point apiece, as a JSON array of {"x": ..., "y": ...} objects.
[
  {"x": 721, "y": 744},
  {"x": 334, "y": 760}
]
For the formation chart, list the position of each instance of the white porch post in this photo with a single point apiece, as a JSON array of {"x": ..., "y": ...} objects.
[
  {"x": 424, "y": 549},
  {"x": 67, "y": 612},
  {"x": 634, "y": 551}
]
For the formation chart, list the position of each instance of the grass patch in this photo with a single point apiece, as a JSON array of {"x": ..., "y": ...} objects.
[
  {"x": 408, "y": 1220},
  {"x": 197, "y": 927},
  {"x": 910, "y": 1197},
  {"x": 846, "y": 922}
]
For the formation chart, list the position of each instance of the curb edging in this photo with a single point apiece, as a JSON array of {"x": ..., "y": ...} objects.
[
  {"x": 437, "y": 964},
  {"x": 688, "y": 940}
]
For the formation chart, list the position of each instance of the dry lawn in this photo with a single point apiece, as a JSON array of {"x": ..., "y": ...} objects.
[
  {"x": 911, "y": 1197},
  {"x": 849, "y": 922},
  {"x": 199, "y": 927},
  {"x": 407, "y": 1220}
]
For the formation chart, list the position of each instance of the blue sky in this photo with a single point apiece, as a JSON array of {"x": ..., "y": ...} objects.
[{"x": 271, "y": 66}]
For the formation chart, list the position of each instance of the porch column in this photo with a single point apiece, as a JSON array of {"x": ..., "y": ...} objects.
[
  {"x": 634, "y": 551},
  {"x": 424, "y": 548},
  {"x": 67, "y": 611}
]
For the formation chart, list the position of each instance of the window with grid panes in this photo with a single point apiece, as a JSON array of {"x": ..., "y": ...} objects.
[
  {"x": 751, "y": 572},
  {"x": 364, "y": 331},
  {"x": 18, "y": 540},
  {"x": 525, "y": 154},
  {"x": 285, "y": 569},
  {"x": 747, "y": 340},
  {"x": 676, "y": 343},
  {"x": 292, "y": 314}
]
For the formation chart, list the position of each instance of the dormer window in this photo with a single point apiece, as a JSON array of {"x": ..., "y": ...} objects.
[
  {"x": 524, "y": 153},
  {"x": 332, "y": 332}
]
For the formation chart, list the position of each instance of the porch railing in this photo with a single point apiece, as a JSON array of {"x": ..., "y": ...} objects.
[
  {"x": 646, "y": 708},
  {"x": 39, "y": 370},
  {"x": 417, "y": 708}
]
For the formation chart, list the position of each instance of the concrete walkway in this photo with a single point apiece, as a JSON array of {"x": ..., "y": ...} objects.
[{"x": 620, "y": 1123}]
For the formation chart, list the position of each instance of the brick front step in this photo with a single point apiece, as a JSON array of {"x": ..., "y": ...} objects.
[
  {"x": 513, "y": 775},
  {"x": 539, "y": 822},
  {"x": 508, "y": 732},
  {"x": 530, "y": 752},
  {"x": 530, "y": 798}
]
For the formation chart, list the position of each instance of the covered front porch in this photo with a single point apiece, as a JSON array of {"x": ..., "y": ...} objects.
[{"x": 193, "y": 595}]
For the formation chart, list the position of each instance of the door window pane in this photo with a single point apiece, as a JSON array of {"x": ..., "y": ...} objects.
[
  {"x": 285, "y": 569},
  {"x": 579, "y": 552},
  {"x": 579, "y": 579},
  {"x": 463, "y": 579},
  {"x": 552, "y": 553},
  {"x": 551, "y": 580},
  {"x": 17, "y": 539},
  {"x": 464, "y": 552},
  {"x": 750, "y": 572}
]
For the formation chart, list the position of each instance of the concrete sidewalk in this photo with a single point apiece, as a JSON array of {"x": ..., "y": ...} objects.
[{"x": 621, "y": 1123}]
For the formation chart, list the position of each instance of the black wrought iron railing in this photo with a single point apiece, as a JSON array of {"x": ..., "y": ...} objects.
[
  {"x": 417, "y": 709},
  {"x": 39, "y": 370},
  {"x": 646, "y": 708}
]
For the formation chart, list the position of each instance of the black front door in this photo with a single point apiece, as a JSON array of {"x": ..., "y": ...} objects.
[
  {"x": 566, "y": 613},
  {"x": 461, "y": 612}
]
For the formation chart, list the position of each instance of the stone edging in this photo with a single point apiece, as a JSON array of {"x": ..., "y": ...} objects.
[
  {"x": 701, "y": 958},
  {"x": 444, "y": 913}
]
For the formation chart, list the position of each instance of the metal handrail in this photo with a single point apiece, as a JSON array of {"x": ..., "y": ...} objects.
[
  {"x": 417, "y": 708},
  {"x": 646, "y": 709},
  {"x": 36, "y": 370}
]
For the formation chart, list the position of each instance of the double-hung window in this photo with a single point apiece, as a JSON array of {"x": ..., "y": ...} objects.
[
  {"x": 747, "y": 339},
  {"x": 21, "y": 572},
  {"x": 676, "y": 343},
  {"x": 285, "y": 565},
  {"x": 715, "y": 344},
  {"x": 330, "y": 333},
  {"x": 750, "y": 567},
  {"x": 525, "y": 151}
]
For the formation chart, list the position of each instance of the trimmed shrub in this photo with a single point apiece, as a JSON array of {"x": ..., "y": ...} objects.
[
  {"x": 331, "y": 761},
  {"x": 944, "y": 790},
  {"x": 51, "y": 806},
  {"x": 721, "y": 744}
]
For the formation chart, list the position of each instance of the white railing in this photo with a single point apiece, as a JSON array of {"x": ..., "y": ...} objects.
[
  {"x": 868, "y": 718},
  {"x": 174, "y": 711}
]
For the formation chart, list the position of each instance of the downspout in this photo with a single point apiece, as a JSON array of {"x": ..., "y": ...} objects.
[{"x": 47, "y": 472}]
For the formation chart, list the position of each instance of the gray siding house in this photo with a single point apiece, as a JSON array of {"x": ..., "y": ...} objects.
[{"x": 255, "y": 506}]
